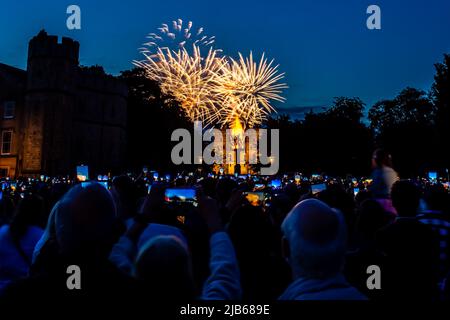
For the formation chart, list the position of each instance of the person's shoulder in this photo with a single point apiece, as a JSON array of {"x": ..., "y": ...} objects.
[
  {"x": 4, "y": 231},
  {"x": 4, "y": 228},
  {"x": 389, "y": 171},
  {"x": 35, "y": 230}
]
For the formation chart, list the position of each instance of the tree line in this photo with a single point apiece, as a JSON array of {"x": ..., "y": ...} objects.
[{"x": 414, "y": 126}]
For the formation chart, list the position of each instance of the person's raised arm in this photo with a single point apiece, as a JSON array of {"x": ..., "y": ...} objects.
[{"x": 223, "y": 282}]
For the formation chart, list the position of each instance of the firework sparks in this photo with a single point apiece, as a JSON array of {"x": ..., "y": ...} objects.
[
  {"x": 189, "y": 78},
  {"x": 248, "y": 88},
  {"x": 177, "y": 36},
  {"x": 212, "y": 89}
]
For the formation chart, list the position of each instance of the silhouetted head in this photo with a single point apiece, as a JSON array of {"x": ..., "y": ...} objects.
[
  {"x": 437, "y": 198},
  {"x": 209, "y": 186},
  {"x": 125, "y": 196},
  {"x": 371, "y": 218},
  {"x": 315, "y": 236},
  {"x": 250, "y": 231},
  {"x": 405, "y": 197},
  {"x": 84, "y": 222},
  {"x": 6, "y": 210},
  {"x": 29, "y": 212},
  {"x": 280, "y": 205},
  {"x": 381, "y": 158},
  {"x": 336, "y": 197},
  {"x": 224, "y": 188},
  {"x": 163, "y": 266},
  {"x": 362, "y": 196}
]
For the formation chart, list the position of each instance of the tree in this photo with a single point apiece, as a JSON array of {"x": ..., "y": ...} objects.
[
  {"x": 405, "y": 127},
  {"x": 343, "y": 142},
  {"x": 152, "y": 116},
  {"x": 440, "y": 94},
  {"x": 335, "y": 140}
]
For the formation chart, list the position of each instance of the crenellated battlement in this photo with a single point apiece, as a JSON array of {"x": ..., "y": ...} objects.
[{"x": 47, "y": 46}]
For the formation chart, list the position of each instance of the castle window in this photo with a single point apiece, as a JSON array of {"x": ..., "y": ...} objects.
[
  {"x": 9, "y": 108},
  {"x": 6, "y": 141}
]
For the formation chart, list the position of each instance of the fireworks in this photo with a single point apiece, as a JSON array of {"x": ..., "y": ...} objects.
[
  {"x": 248, "y": 88},
  {"x": 211, "y": 88},
  {"x": 176, "y": 36},
  {"x": 174, "y": 59}
]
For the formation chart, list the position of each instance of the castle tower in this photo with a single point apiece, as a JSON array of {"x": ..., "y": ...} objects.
[{"x": 49, "y": 103}]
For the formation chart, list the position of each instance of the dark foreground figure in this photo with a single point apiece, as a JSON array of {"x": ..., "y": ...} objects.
[{"x": 130, "y": 246}]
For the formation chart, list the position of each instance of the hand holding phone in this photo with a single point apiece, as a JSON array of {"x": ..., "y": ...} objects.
[
  {"x": 209, "y": 210},
  {"x": 316, "y": 188},
  {"x": 180, "y": 195},
  {"x": 255, "y": 198}
]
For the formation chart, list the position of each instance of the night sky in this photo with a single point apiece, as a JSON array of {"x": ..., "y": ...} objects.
[{"x": 323, "y": 46}]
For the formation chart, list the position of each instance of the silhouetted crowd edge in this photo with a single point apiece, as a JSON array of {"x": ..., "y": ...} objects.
[{"x": 130, "y": 243}]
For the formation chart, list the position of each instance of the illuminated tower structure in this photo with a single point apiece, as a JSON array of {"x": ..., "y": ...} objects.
[{"x": 239, "y": 141}]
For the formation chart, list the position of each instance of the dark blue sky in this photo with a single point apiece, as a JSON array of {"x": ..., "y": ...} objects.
[{"x": 323, "y": 46}]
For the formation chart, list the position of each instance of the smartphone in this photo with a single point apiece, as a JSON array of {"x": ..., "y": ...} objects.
[
  {"x": 316, "y": 188},
  {"x": 255, "y": 198},
  {"x": 149, "y": 188},
  {"x": 276, "y": 183},
  {"x": 432, "y": 175},
  {"x": 259, "y": 186},
  {"x": 355, "y": 191},
  {"x": 180, "y": 195},
  {"x": 82, "y": 173}
]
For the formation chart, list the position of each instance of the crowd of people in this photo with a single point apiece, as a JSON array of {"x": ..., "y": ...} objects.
[{"x": 296, "y": 243}]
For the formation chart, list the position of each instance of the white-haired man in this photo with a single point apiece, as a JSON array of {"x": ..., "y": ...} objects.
[{"x": 314, "y": 244}]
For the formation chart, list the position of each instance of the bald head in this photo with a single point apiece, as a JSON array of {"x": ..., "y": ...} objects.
[{"x": 316, "y": 235}]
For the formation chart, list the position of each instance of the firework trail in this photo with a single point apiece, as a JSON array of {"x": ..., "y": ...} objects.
[{"x": 176, "y": 36}]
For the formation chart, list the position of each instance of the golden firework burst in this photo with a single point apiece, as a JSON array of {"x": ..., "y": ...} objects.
[
  {"x": 247, "y": 89},
  {"x": 213, "y": 89}
]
